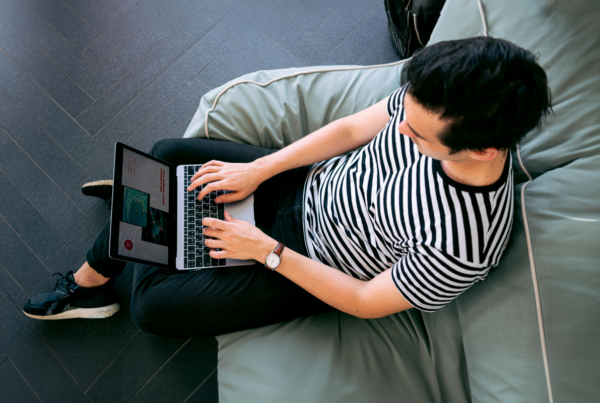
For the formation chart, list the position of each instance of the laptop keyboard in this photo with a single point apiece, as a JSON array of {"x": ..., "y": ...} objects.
[{"x": 195, "y": 252}]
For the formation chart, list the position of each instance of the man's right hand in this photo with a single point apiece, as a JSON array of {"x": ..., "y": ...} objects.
[{"x": 240, "y": 178}]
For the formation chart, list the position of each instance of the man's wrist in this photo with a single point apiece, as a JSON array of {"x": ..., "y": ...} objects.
[
  {"x": 266, "y": 167},
  {"x": 264, "y": 249}
]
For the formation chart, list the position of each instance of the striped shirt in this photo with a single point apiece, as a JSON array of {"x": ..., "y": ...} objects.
[{"x": 387, "y": 206}]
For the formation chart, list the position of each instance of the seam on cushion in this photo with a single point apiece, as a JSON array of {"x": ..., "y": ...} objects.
[
  {"x": 538, "y": 302},
  {"x": 485, "y": 28},
  {"x": 321, "y": 70}
]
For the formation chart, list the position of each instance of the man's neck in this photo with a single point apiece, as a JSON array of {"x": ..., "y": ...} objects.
[{"x": 476, "y": 173}]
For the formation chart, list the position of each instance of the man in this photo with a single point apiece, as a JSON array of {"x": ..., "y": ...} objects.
[{"x": 405, "y": 204}]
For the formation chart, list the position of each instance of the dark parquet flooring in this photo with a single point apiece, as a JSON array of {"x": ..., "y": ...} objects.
[{"x": 78, "y": 75}]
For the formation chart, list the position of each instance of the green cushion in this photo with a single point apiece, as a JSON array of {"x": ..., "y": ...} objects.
[
  {"x": 488, "y": 345},
  {"x": 275, "y": 108},
  {"x": 335, "y": 357}
]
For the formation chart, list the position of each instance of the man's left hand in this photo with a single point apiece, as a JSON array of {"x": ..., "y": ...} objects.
[{"x": 237, "y": 239}]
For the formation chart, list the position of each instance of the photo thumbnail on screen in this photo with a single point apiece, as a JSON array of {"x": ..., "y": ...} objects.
[{"x": 135, "y": 207}]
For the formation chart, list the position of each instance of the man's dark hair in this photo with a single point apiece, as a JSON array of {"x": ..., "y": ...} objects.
[{"x": 493, "y": 91}]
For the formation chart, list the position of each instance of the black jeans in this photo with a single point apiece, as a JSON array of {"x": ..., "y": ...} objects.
[{"x": 216, "y": 301}]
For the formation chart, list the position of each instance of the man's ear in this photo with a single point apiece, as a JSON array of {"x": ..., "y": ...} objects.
[{"x": 486, "y": 154}]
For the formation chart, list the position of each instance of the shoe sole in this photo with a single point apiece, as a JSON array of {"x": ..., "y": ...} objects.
[
  {"x": 83, "y": 313},
  {"x": 99, "y": 183}
]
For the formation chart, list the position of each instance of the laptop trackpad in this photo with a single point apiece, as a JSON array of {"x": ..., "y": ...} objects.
[{"x": 243, "y": 209}]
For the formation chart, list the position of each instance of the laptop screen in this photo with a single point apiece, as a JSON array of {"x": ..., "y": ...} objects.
[{"x": 141, "y": 209}]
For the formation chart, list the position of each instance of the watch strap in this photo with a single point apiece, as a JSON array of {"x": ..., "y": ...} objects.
[{"x": 279, "y": 249}]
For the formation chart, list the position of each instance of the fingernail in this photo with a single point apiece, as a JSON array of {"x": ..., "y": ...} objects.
[{"x": 218, "y": 200}]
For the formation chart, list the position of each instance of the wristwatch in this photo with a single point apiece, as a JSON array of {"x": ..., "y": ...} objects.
[{"x": 274, "y": 258}]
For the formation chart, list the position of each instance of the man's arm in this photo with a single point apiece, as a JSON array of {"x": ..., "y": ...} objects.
[
  {"x": 365, "y": 299},
  {"x": 335, "y": 139}
]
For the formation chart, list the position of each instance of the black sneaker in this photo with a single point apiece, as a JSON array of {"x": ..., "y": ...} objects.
[
  {"x": 101, "y": 189},
  {"x": 69, "y": 301}
]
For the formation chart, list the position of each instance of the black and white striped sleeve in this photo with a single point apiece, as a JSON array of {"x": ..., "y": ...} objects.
[
  {"x": 433, "y": 273},
  {"x": 429, "y": 279}
]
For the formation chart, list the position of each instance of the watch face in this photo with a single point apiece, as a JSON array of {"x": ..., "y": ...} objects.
[{"x": 272, "y": 260}]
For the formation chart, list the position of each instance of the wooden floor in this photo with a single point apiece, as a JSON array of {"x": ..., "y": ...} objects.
[{"x": 78, "y": 75}]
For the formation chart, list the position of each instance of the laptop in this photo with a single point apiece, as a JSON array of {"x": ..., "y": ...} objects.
[{"x": 156, "y": 221}]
